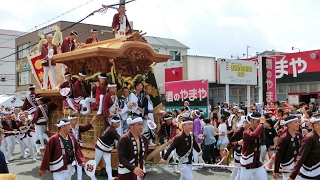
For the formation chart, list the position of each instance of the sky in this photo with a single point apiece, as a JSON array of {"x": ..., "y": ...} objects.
[{"x": 209, "y": 27}]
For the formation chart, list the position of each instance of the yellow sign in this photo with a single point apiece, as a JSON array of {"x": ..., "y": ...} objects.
[{"x": 241, "y": 69}]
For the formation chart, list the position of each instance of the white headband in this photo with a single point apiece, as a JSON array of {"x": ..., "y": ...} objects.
[
  {"x": 115, "y": 121},
  {"x": 313, "y": 120},
  {"x": 254, "y": 118},
  {"x": 7, "y": 112},
  {"x": 33, "y": 86},
  {"x": 226, "y": 150},
  {"x": 83, "y": 75},
  {"x": 49, "y": 35},
  {"x": 112, "y": 85},
  {"x": 186, "y": 122},
  {"x": 39, "y": 98},
  {"x": 93, "y": 30},
  {"x": 70, "y": 118},
  {"x": 167, "y": 118},
  {"x": 286, "y": 122},
  {"x": 133, "y": 121},
  {"x": 67, "y": 75},
  {"x": 243, "y": 119},
  {"x": 62, "y": 123},
  {"x": 296, "y": 115},
  {"x": 101, "y": 77},
  {"x": 195, "y": 113}
]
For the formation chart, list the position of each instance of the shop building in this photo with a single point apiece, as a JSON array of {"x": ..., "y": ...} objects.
[{"x": 297, "y": 79}]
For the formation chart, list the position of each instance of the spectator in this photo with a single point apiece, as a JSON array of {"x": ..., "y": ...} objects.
[
  {"x": 209, "y": 143},
  {"x": 305, "y": 118},
  {"x": 271, "y": 139},
  {"x": 223, "y": 140}
]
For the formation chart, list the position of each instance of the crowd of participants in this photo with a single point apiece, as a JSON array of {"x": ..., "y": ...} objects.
[{"x": 257, "y": 139}]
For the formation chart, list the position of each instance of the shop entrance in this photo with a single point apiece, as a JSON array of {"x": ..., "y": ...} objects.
[{"x": 306, "y": 98}]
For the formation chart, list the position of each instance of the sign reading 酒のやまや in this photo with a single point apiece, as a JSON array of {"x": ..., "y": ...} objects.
[
  {"x": 269, "y": 77},
  {"x": 233, "y": 71},
  {"x": 196, "y": 92}
]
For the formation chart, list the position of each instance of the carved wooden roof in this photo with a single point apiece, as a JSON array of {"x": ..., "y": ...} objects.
[{"x": 133, "y": 47}]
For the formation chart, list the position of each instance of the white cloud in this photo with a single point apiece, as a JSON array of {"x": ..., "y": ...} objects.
[{"x": 232, "y": 21}]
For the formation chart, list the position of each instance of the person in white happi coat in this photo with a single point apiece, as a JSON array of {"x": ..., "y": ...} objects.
[
  {"x": 10, "y": 130},
  {"x": 123, "y": 100},
  {"x": 148, "y": 115},
  {"x": 137, "y": 97}
]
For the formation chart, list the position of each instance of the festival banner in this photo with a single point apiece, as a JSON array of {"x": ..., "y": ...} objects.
[
  {"x": 194, "y": 91},
  {"x": 270, "y": 69},
  {"x": 34, "y": 60}
]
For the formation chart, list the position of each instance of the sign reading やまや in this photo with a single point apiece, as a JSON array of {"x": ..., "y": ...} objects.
[
  {"x": 196, "y": 92},
  {"x": 237, "y": 72},
  {"x": 269, "y": 75}
]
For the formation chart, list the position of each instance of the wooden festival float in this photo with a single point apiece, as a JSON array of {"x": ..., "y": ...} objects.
[{"x": 124, "y": 59}]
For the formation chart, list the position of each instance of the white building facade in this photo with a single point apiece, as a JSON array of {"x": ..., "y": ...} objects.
[
  {"x": 166, "y": 46},
  {"x": 8, "y": 61}
]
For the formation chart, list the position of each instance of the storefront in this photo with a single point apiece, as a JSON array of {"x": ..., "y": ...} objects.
[{"x": 297, "y": 74}]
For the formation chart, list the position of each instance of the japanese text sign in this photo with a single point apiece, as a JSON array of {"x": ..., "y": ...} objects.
[
  {"x": 196, "y": 92},
  {"x": 270, "y": 69},
  {"x": 241, "y": 72}
]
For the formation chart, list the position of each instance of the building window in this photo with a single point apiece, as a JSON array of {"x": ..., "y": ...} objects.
[
  {"x": 156, "y": 50},
  {"x": 176, "y": 55},
  {"x": 24, "y": 78},
  {"x": 293, "y": 88},
  {"x": 221, "y": 92},
  {"x": 313, "y": 87},
  {"x": 23, "y": 50},
  {"x": 303, "y": 87},
  {"x": 282, "y": 89}
]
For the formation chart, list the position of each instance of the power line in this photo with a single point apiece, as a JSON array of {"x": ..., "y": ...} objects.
[
  {"x": 100, "y": 10},
  {"x": 48, "y": 21},
  {"x": 10, "y": 12},
  {"x": 21, "y": 12},
  {"x": 61, "y": 31}
]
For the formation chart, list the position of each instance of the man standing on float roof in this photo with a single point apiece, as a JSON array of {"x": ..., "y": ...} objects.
[
  {"x": 120, "y": 23},
  {"x": 68, "y": 44}
]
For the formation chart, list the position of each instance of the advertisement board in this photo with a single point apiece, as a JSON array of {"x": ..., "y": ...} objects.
[
  {"x": 195, "y": 91},
  {"x": 269, "y": 72},
  {"x": 240, "y": 72}
]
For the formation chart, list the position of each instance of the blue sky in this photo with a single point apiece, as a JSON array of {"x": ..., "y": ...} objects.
[{"x": 209, "y": 27}]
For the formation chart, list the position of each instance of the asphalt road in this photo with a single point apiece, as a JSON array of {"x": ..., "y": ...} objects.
[{"x": 25, "y": 169}]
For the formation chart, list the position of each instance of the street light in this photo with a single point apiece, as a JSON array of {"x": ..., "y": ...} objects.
[
  {"x": 233, "y": 56},
  {"x": 293, "y": 48},
  {"x": 246, "y": 55}
]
